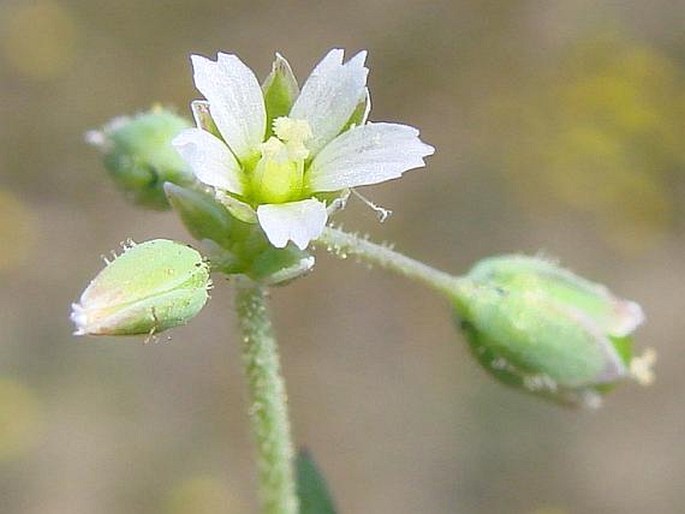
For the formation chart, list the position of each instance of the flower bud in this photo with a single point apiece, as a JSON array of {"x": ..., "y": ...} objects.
[
  {"x": 541, "y": 328},
  {"x": 139, "y": 156},
  {"x": 149, "y": 288}
]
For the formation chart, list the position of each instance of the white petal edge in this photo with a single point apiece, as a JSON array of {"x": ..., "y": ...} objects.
[
  {"x": 210, "y": 159},
  {"x": 299, "y": 222},
  {"x": 366, "y": 155},
  {"x": 235, "y": 101},
  {"x": 330, "y": 96}
]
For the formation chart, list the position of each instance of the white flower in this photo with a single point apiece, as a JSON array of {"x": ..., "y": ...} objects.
[{"x": 280, "y": 157}]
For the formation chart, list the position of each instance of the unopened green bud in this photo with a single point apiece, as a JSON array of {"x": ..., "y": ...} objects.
[
  {"x": 139, "y": 156},
  {"x": 149, "y": 288},
  {"x": 539, "y": 327}
]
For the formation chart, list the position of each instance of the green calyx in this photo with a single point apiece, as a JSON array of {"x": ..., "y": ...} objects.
[{"x": 233, "y": 246}]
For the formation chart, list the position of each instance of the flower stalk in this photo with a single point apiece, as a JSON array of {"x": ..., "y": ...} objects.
[
  {"x": 344, "y": 244},
  {"x": 268, "y": 401}
]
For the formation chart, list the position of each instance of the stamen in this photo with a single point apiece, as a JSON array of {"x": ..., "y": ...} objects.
[
  {"x": 291, "y": 130},
  {"x": 274, "y": 149},
  {"x": 382, "y": 213}
]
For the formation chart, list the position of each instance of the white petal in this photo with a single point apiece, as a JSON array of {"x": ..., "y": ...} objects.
[
  {"x": 299, "y": 222},
  {"x": 210, "y": 159},
  {"x": 235, "y": 101},
  {"x": 330, "y": 95},
  {"x": 365, "y": 155}
]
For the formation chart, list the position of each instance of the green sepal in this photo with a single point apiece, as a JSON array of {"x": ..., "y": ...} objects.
[
  {"x": 205, "y": 218},
  {"x": 360, "y": 115},
  {"x": 528, "y": 382},
  {"x": 279, "y": 266},
  {"x": 312, "y": 490},
  {"x": 541, "y": 337},
  {"x": 280, "y": 90},
  {"x": 237, "y": 247},
  {"x": 624, "y": 348},
  {"x": 520, "y": 273},
  {"x": 203, "y": 117}
]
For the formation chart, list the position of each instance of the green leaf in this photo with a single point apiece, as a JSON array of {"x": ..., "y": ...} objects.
[{"x": 311, "y": 487}]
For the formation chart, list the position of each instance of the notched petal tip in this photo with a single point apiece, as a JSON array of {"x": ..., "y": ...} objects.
[
  {"x": 333, "y": 56},
  {"x": 427, "y": 150},
  {"x": 235, "y": 100},
  {"x": 197, "y": 61},
  {"x": 220, "y": 56},
  {"x": 358, "y": 59},
  {"x": 330, "y": 96}
]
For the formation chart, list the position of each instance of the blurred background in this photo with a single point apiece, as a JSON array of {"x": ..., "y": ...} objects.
[{"x": 559, "y": 127}]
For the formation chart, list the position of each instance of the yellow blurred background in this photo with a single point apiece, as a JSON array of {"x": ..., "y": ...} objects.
[{"x": 559, "y": 127}]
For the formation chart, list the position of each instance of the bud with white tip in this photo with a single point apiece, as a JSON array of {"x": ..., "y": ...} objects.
[
  {"x": 139, "y": 157},
  {"x": 149, "y": 288},
  {"x": 543, "y": 329}
]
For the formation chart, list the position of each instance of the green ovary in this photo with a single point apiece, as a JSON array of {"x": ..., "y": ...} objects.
[{"x": 278, "y": 177}]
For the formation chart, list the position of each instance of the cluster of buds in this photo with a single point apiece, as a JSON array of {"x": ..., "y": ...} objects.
[{"x": 256, "y": 180}]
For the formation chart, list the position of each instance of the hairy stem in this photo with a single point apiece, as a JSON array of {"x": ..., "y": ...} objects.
[
  {"x": 268, "y": 402},
  {"x": 343, "y": 244}
]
